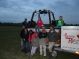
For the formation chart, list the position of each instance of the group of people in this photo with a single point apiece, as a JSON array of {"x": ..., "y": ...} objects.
[
  {"x": 38, "y": 38},
  {"x": 55, "y": 23},
  {"x": 31, "y": 40}
]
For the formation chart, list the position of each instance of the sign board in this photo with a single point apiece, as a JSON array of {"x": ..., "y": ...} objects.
[{"x": 70, "y": 38}]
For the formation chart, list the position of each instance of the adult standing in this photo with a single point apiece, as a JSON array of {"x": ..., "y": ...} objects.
[
  {"x": 25, "y": 23},
  {"x": 60, "y": 22},
  {"x": 42, "y": 39},
  {"x": 24, "y": 39},
  {"x": 34, "y": 42},
  {"x": 52, "y": 36}
]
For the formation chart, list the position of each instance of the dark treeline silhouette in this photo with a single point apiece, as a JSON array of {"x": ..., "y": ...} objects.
[
  {"x": 71, "y": 24},
  {"x": 20, "y": 24},
  {"x": 10, "y": 24}
]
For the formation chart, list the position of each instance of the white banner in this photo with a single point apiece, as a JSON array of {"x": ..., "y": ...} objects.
[{"x": 70, "y": 38}]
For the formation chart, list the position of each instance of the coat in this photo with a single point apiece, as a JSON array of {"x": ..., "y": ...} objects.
[
  {"x": 24, "y": 35},
  {"x": 33, "y": 39},
  {"x": 42, "y": 37},
  {"x": 52, "y": 36}
]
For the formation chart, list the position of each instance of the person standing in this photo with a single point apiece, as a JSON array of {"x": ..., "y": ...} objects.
[
  {"x": 39, "y": 24},
  {"x": 34, "y": 43},
  {"x": 52, "y": 36},
  {"x": 60, "y": 22},
  {"x": 25, "y": 23},
  {"x": 42, "y": 39},
  {"x": 24, "y": 39}
]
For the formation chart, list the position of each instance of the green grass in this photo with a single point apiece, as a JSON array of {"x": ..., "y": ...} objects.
[{"x": 10, "y": 46}]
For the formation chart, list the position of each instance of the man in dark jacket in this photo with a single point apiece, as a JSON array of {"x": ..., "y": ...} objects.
[
  {"x": 24, "y": 38},
  {"x": 52, "y": 36}
]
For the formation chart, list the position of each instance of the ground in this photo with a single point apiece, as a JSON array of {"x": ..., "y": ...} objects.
[{"x": 10, "y": 46}]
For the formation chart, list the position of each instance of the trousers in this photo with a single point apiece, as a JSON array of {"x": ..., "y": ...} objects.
[
  {"x": 33, "y": 50},
  {"x": 43, "y": 50},
  {"x": 51, "y": 45}
]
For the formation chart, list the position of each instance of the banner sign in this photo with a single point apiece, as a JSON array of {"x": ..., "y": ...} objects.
[{"x": 70, "y": 38}]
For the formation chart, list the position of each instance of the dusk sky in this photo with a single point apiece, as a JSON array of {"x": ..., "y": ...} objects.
[{"x": 18, "y": 10}]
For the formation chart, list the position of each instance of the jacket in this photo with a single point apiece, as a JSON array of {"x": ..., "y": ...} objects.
[
  {"x": 24, "y": 35},
  {"x": 43, "y": 34},
  {"x": 52, "y": 36}
]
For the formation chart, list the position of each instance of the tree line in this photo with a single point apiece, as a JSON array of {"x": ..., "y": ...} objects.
[{"x": 19, "y": 24}]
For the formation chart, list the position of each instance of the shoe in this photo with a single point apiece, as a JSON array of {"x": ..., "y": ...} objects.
[{"x": 44, "y": 55}]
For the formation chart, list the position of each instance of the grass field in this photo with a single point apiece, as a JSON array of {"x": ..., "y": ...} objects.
[{"x": 10, "y": 46}]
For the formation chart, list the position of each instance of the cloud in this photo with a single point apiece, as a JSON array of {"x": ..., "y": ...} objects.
[
  {"x": 17, "y": 10},
  {"x": 68, "y": 9}
]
